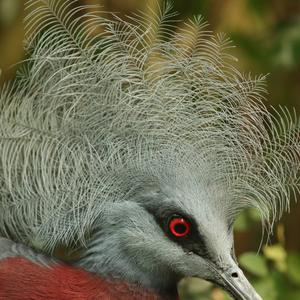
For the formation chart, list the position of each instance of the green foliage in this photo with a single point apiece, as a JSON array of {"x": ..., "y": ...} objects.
[
  {"x": 254, "y": 264},
  {"x": 246, "y": 219},
  {"x": 293, "y": 264}
]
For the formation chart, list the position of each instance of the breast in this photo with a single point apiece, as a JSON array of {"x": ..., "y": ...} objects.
[{"x": 22, "y": 279}]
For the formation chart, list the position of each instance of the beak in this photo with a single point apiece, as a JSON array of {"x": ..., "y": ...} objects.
[{"x": 236, "y": 284}]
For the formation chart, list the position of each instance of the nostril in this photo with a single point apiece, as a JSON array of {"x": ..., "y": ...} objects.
[{"x": 235, "y": 275}]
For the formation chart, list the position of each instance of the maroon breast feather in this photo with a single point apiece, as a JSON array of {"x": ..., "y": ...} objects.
[{"x": 22, "y": 279}]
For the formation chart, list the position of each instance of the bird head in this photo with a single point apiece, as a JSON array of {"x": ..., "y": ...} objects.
[{"x": 168, "y": 232}]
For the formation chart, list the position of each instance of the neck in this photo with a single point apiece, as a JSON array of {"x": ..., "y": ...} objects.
[{"x": 106, "y": 258}]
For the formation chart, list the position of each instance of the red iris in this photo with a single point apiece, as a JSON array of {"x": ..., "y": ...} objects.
[{"x": 179, "y": 227}]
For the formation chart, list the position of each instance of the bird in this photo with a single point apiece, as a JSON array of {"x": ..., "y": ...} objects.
[{"x": 139, "y": 143}]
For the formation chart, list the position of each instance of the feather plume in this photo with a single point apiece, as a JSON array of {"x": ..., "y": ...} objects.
[{"x": 95, "y": 117}]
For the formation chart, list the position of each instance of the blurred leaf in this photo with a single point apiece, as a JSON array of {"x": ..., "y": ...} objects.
[
  {"x": 266, "y": 288},
  {"x": 218, "y": 294},
  {"x": 280, "y": 233},
  {"x": 254, "y": 263},
  {"x": 293, "y": 295},
  {"x": 227, "y": 297},
  {"x": 254, "y": 214},
  {"x": 191, "y": 288},
  {"x": 188, "y": 8},
  {"x": 293, "y": 263},
  {"x": 286, "y": 48},
  {"x": 244, "y": 220},
  {"x": 241, "y": 222},
  {"x": 282, "y": 285},
  {"x": 253, "y": 48},
  {"x": 277, "y": 254},
  {"x": 9, "y": 10},
  {"x": 258, "y": 6}
]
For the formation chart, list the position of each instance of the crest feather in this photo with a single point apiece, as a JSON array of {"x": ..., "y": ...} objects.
[{"x": 98, "y": 114}]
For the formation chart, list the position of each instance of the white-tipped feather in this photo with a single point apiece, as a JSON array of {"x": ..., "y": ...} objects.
[{"x": 95, "y": 117}]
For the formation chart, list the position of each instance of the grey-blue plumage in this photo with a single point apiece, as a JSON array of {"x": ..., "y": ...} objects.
[{"x": 106, "y": 138}]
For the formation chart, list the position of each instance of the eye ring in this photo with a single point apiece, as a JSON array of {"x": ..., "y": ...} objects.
[{"x": 179, "y": 227}]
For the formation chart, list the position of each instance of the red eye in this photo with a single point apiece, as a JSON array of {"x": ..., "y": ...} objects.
[{"x": 179, "y": 227}]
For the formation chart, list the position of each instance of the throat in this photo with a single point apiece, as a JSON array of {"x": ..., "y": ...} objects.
[
  {"x": 130, "y": 276},
  {"x": 120, "y": 268}
]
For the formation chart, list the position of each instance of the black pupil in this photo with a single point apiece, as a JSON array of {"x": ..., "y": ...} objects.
[{"x": 180, "y": 228}]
